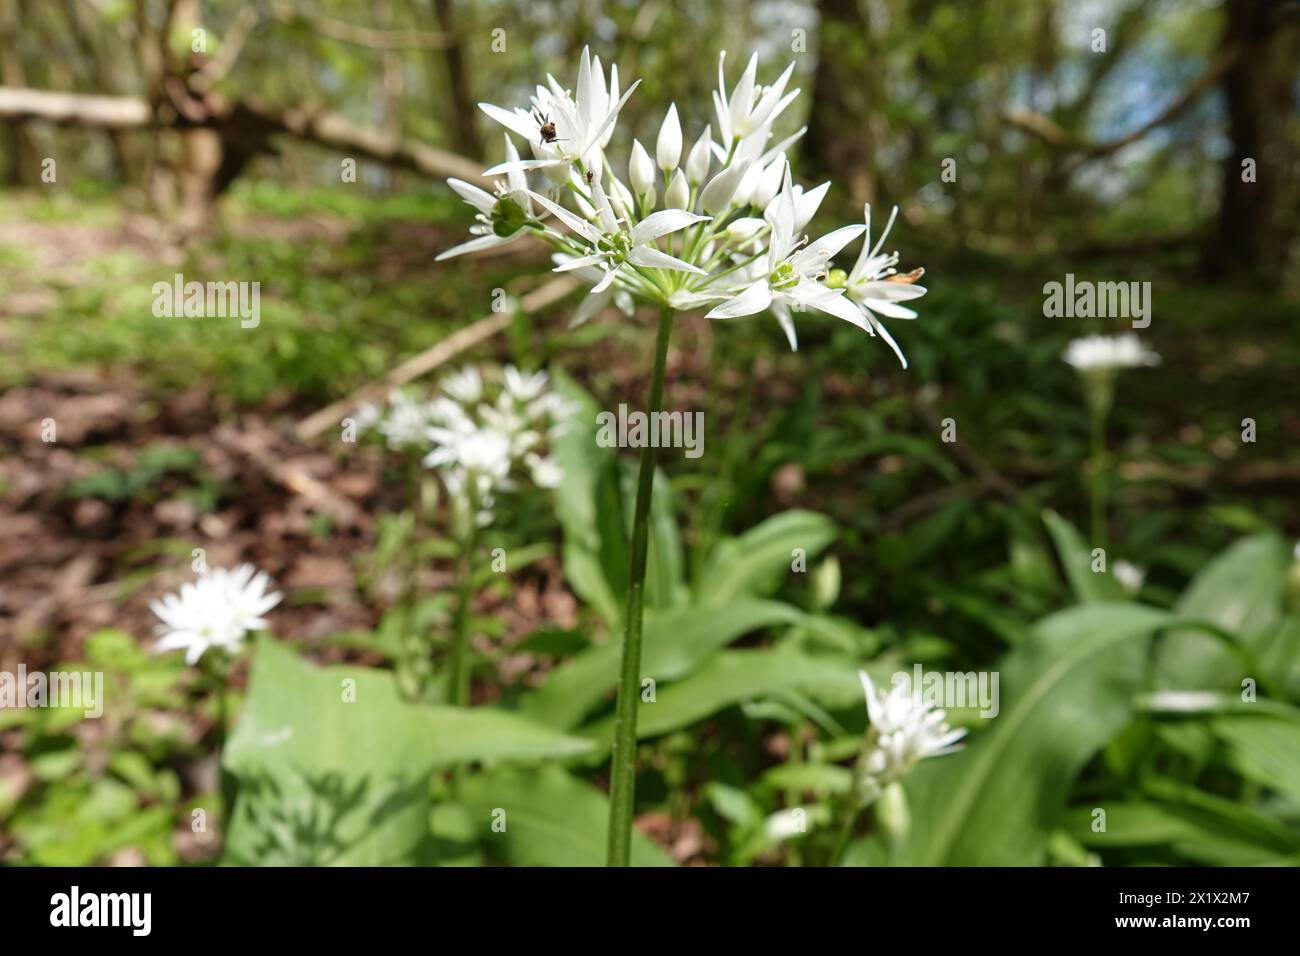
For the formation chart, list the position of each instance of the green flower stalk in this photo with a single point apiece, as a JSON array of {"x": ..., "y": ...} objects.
[
  {"x": 1097, "y": 359},
  {"x": 622, "y": 789},
  {"x": 719, "y": 226}
]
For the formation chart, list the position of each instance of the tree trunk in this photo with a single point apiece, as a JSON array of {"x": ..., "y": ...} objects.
[
  {"x": 25, "y": 167},
  {"x": 840, "y": 142},
  {"x": 1256, "y": 222},
  {"x": 198, "y": 157},
  {"x": 462, "y": 98},
  {"x": 101, "y": 77}
]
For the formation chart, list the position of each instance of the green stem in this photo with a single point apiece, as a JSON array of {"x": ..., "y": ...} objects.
[
  {"x": 458, "y": 691},
  {"x": 845, "y": 835},
  {"x": 218, "y": 668},
  {"x": 1097, "y": 477},
  {"x": 622, "y": 789}
]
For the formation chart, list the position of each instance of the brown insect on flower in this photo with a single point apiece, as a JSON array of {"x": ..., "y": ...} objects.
[{"x": 547, "y": 129}]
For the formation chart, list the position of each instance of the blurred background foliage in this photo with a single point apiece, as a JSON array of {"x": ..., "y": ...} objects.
[{"x": 1116, "y": 163}]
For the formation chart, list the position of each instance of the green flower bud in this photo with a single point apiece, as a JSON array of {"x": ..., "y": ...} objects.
[
  {"x": 508, "y": 217},
  {"x": 837, "y": 279}
]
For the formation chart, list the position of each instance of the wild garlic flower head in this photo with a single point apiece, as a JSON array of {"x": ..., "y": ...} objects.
[
  {"x": 719, "y": 225},
  {"x": 1109, "y": 353},
  {"x": 487, "y": 432},
  {"x": 402, "y": 422},
  {"x": 905, "y": 729},
  {"x": 218, "y": 610},
  {"x": 876, "y": 287}
]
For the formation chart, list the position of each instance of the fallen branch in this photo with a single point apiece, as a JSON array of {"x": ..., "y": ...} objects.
[
  {"x": 248, "y": 116},
  {"x": 432, "y": 357},
  {"x": 75, "y": 109}
]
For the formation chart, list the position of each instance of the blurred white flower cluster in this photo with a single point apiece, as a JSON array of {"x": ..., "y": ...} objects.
[
  {"x": 1108, "y": 353},
  {"x": 217, "y": 610},
  {"x": 719, "y": 225},
  {"x": 402, "y": 423},
  {"x": 480, "y": 433},
  {"x": 905, "y": 729}
]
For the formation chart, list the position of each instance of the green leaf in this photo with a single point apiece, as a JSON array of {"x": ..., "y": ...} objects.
[
  {"x": 1199, "y": 834},
  {"x": 1263, "y": 748},
  {"x": 324, "y": 780},
  {"x": 755, "y": 562},
  {"x": 1067, "y": 689},
  {"x": 556, "y": 641},
  {"x": 674, "y": 643},
  {"x": 665, "y": 564},
  {"x": 1076, "y": 560},
  {"x": 822, "y": 779},
  {"x": 588, "y": 503},
  {"x": 595, "y": 505},
  {"x": 730, "y": 678},
  {"x": 1239, "y": 591},
  {"x": 551, "y": 819}
]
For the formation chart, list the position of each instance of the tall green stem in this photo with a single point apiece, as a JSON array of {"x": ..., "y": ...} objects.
[
  {"x": 622, "y": 789},
  {"x": 216, "y": 667},
  {"x": 458, "y": 690},
  {"x": 1097, "y": 477}
]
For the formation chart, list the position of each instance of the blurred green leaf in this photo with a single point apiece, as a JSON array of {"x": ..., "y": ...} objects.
[
  {"x": 731, "y": 677},
  {"x": 1076, "y": 560},
  {"x": 673, "y": 644},
  {"x": 1239, "y": 591},
  {"x": 551, "y": 819},
  {"x": 754, "y": 562},
  {"x": 325, "y": 780},
  {"x": 1067, "y": 690}
]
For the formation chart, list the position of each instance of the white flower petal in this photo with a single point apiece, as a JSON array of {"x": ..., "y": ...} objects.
[
  {"x": 662, "y": 223},
  {"x": 754, "y": 299}
]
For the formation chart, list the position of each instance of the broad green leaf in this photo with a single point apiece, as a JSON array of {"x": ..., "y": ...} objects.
[
  {"x": 758, "y": 559},
  {"x": 595, "y": 504},
  {"x": 735, "y": 676},
  {"x": 551, "y": 819},
  {"x": 588, "y": 504},
  {"x": 1263, "y": 748},
  {"x": 1239, "y": 591},
  {"x": 1197, "y": 834},
  {"x": 326, "y": 780},
  {"x": 1065, "y": 691},
  {"x": 673, "y": 644},
  {"x": 665, "y": 563},
  {"x": 1277, "y": 652},
  {"x": 1076, "y": 560}
]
